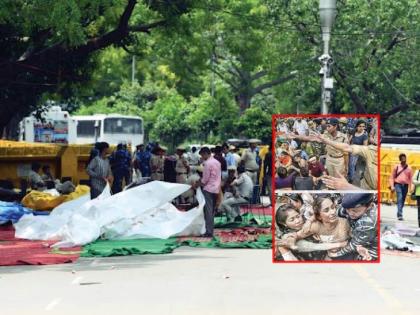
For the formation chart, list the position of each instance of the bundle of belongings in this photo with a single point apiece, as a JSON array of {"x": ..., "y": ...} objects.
[
  {"x": 49, "y": 199},
  {"x": 392, "y": 238}
]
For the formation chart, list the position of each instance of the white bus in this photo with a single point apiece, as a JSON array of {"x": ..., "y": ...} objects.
[
  {"x": 58, "y": 126},
  {"x": 111, "y": 128}
]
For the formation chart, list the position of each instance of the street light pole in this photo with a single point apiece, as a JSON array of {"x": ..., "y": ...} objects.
[{"x": 327, "y": 13}]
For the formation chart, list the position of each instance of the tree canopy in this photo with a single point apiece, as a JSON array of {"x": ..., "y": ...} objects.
[{"x": 207, "y": 69}]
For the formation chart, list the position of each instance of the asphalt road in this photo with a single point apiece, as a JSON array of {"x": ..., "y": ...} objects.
[{"x": 214, "y": 281}]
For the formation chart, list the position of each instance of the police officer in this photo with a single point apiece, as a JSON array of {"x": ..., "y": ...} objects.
[
  {"x": 361, "y": 212},
  {"x": 369, "y": 153},
  {"x": 157, "y": 163},
  {"x": 120, "y": 161},
  {"x": 335, "y": 162},
  {"x": 142, "y": 160},
  {"x": 182, "y": 167}
]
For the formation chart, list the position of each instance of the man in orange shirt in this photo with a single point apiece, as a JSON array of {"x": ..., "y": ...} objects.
[{"x": 400, "y": 182}]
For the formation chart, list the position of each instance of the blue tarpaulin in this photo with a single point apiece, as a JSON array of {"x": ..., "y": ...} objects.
[{"x": 12, "y": 212}]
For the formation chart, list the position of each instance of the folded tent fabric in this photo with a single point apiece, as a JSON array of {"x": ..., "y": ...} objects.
[{"x": 141, "y": 212}]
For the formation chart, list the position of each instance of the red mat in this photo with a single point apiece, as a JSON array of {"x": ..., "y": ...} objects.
[
  {"x": 244, "y": 234},
  {"x": 23, "y": 252},
  {"x": 257, "y": 210},
  {"x": 237, "y": 235}
]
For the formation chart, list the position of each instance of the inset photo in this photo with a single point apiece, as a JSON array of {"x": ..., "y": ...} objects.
[
  {"x": 321, "y": 152},
  {"x": 334, "y": 227}
]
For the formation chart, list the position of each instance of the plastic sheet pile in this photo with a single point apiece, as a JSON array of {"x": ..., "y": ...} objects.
[{"x": 141, "y": 212}]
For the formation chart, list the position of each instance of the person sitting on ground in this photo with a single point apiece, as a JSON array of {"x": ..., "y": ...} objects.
[
  {"x": 46, "y": 173},
  {"x": 284, "y": 181},
  {"x": 244, "y": 187},
  {"x": 316, "y": 171},
  {"x": 34, "y": 179},
  {"x": 303, "y": 181},
  {"x": 190, "y": 196},
  {"x": 227, "y": 188},
  {"x": 298, "y": 162}
]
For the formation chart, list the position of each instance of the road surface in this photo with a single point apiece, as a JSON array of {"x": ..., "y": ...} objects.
[{"x": 213, "y": 281}]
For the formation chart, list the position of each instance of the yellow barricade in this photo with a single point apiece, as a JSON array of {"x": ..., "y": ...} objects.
[{"x": 389, "y": 158}]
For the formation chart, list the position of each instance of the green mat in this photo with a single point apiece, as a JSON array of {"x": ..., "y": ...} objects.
[
  {"x": 262, "y": 242},
  {"x": 248, "y": 220},
  {"x": 108, "y": 248}
]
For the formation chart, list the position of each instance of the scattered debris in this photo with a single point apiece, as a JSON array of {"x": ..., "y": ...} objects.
[{"x": 89, "y": 283}]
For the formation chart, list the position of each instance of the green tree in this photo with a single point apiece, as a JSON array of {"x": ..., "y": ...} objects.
[
  {"x": 374, "y": 46},
  {"x": 255, "y": 123},
  {"x": 50, "y": 46},
  {"x": 233, "y": 40}
]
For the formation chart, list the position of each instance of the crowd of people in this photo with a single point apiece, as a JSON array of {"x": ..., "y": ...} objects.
[
  {"x": 227, "y": 179},
  {"x": 326, "y": 153},
  {"x": 326, "y": 227}
]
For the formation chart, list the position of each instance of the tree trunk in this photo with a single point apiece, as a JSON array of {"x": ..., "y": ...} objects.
[{"x": 244, "y": 102}]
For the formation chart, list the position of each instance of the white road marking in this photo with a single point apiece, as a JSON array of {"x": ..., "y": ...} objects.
[
  {"x": 77, "y": 280},
  {"x": 53, "y": 304}
]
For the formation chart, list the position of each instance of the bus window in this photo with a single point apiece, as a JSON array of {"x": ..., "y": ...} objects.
[
  {"x": 86, "y": 128},
  {"x": 123, "y": 125}
]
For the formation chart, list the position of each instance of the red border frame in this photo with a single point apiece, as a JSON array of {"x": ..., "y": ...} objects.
[{"x": 273, "y": 190}]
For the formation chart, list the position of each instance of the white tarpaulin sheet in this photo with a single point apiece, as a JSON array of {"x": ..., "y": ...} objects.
[{"x": 141, "y": 212}]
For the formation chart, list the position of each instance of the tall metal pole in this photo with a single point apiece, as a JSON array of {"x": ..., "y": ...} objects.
[
  {"x": 327, "y": 12},
  {"x": 133, "y": 69}
]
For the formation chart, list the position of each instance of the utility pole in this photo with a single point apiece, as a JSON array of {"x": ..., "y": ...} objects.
[
  {"x": 327, "y": 12},
  {"x": 133, "y": 69}
]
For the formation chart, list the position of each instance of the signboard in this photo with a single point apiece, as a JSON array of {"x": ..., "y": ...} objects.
[{"x": 56, "y": 131}]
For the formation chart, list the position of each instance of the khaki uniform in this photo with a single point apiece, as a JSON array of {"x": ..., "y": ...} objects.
[
  {"x": 370, "y": 154},
  {"x": 181, "y": 169},
  {"x": 335, "y": 163},
  {"x": 250, "y": 162},
  {"x": 156, "y": 165}
]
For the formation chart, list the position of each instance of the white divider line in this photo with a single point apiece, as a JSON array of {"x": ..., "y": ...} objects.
[
  {"x": 53, "y": 304},
  {"x": 77, "y": 280}
]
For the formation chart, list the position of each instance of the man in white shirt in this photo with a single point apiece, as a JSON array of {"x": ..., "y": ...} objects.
[
  {"x": 301, "y": 127},
  {"x": 193, "y": 157},
  {"x": 282, "y": 126},
  {"x": 243, "y": 193},
  {"x": 249, "y": 160}
]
